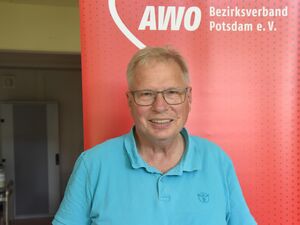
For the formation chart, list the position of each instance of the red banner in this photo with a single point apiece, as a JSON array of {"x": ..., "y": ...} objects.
[{"x": 244, "y": 66}]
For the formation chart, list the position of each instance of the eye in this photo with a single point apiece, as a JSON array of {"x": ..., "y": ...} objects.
[
  {"x": 142, "y": 94},
  {"x": 172, "y": 92}
]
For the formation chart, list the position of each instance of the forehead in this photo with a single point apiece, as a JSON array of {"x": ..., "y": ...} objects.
[{"x": 158, "y": 75}]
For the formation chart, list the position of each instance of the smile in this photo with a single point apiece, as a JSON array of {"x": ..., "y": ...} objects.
[{"x": 161, "y": 121}]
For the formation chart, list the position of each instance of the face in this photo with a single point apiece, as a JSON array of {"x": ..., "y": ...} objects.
[{"x": 159, "y": 121}]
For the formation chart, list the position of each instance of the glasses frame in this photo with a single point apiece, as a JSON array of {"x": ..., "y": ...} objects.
[{"x": 183, "y": 90}]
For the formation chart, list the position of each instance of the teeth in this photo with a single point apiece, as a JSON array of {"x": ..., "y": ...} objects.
[{"x": 160, "y": 121}]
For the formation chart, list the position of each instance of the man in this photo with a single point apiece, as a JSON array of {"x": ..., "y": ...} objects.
[{"x": 158, "y": 174}]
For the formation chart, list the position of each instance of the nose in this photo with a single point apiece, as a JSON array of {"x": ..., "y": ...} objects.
[{"x": 159, "y": 104}]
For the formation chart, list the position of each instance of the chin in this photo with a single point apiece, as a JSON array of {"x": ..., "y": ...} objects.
[{"x": 163, "y": 135}]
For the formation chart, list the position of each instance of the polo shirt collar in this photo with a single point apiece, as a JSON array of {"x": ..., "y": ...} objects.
[
  {"x": 190, "y": 161},
  {"x": 134, "y": 157},
  {"x": 192, "y": 158}
]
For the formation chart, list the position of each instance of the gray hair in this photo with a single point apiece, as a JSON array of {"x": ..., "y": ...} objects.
[{"x": 159, "y": 54}]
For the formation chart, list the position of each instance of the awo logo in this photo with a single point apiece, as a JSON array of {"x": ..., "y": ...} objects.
[
  {"x": 156, "y": 18},
  {"x": 170, "y": 17}
]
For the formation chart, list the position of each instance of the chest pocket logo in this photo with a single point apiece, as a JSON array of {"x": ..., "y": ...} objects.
[{"x": 203, "y": 197}]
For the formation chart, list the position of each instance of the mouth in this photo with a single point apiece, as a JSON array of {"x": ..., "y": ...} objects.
[{"x": 161, "y": 121}]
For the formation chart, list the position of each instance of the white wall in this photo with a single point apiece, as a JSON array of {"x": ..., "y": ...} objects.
[{"x": 39, "y": 25}]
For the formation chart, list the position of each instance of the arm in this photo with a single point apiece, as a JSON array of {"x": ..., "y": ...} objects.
[
  {"x": 239, "y": 213},
  {"x": 75, "y": 206}
]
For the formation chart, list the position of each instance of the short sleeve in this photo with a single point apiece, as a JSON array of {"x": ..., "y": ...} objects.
[
  {"x": 75, "y": 206},
  {"x": 239, "y": 213}
]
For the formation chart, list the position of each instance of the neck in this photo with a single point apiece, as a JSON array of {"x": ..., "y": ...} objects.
[{"x": 162, "y": 155}]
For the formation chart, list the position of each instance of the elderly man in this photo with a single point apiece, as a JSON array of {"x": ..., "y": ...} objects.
[{"x": 157, "y": 174}]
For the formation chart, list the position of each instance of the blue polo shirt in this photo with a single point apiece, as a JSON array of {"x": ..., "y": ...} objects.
[{"x": 112, "y": 185}]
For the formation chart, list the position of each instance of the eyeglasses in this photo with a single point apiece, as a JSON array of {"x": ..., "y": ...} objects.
[{"x": 172, "y": 96}]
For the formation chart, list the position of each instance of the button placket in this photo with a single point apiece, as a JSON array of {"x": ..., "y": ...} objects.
[{"x": 162, "y": 193}]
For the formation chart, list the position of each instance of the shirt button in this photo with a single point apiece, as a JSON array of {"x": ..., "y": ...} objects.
[
  {"x": 165, "y": 198},
  {"x": 160, "y": 180}
]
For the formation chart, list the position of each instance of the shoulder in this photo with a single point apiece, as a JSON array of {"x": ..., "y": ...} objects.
[
  {"x": 104, "y": 153},
  {"x": 108, "y": 147},
  {"x": 204, "y": 144},
  {"x": 209, "y": 150}
]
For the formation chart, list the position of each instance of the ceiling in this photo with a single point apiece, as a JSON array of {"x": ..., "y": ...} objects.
[{"x": 73, "y": 3}]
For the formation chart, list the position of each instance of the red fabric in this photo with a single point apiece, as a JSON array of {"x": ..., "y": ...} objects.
[{"x": 245, "y": 90}]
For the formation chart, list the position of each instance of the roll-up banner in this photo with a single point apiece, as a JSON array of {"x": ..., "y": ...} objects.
[{"x": 244, "y": 65}]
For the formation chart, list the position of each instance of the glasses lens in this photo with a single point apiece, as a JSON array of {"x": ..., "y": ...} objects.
[
  {"x": 174, "y": 96},
  {"x": 144, "y": 97}
]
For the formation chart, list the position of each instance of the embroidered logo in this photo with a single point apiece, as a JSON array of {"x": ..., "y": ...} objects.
[{"x": 203, "y": 197}]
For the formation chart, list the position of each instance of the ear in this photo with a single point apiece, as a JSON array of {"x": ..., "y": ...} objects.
[
  {"x": 189, "y": 95},
  {"x": 189, "y": 98},
  {"x": 129, "y": 99}
]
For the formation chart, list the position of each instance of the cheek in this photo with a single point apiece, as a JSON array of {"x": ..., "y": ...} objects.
[
  {"x": 185, "y": 110},
  {"x": 138, "y": 113}
]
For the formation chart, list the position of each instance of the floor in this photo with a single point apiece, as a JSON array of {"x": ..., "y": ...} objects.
[{"x": 43, "y": 221}]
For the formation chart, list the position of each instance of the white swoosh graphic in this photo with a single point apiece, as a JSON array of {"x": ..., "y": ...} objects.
[{"x": 114, "y": 14}]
